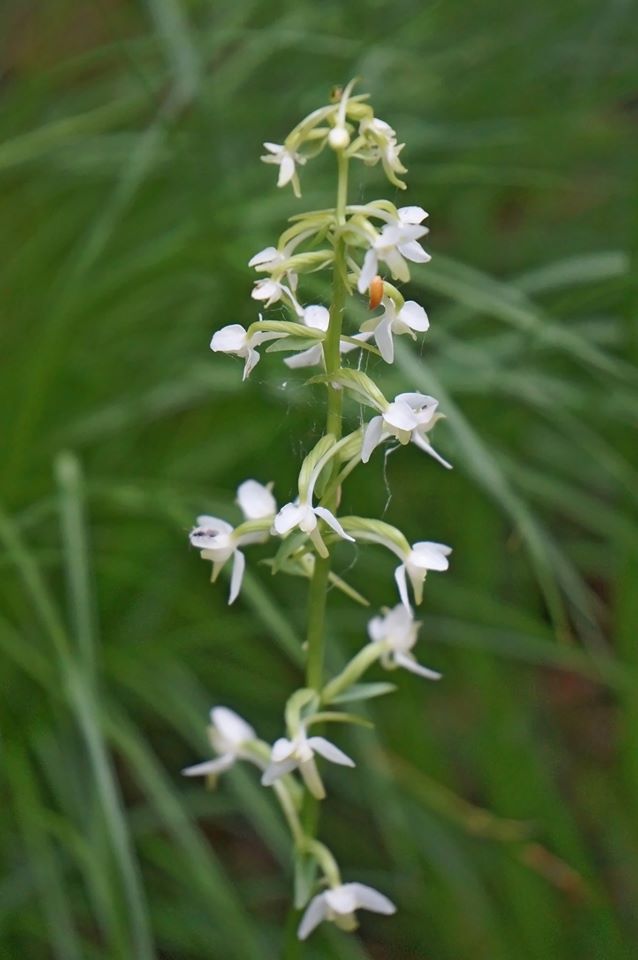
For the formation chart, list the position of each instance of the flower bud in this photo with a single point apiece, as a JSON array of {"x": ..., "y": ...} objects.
[
  {"x": 376, "y": 292},
  {"x": 339, "y": 138}
]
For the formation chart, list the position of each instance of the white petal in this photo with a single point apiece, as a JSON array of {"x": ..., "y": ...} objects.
[
  {"x": 342, "y": 899},
  {"x": 412, "y": 250},
  {"x": 282, "y": 749},
  {"x": 276, "y": 770},
  {"x": 208, "y": 538},
  {"x": 274, "y": 147},
  {"x": 371, "y": 438},
  {"x": 430, "y": 556},
  {"x": 408, "y": 662},
  {"x": 328, "y": 750},
  {"x": 231, "y": 726},
  {"x": 413, "y": 314},
  {"x": 264, "y": 256},
  {"x": 402, "y": 583},
  {"x": 236, "y": 577},
  {"x": 266, "y": 290},
  {"x": 213, "y": 525},
  {"x": 368, "y": 271},
  {"x": 210, "y": 767},
  {"x": 305, "y": 358},
  {"x": 383, "y": 339},
  {"x": 418, "y": 401},
  {"x": 420, "y": 441},
  {"x": 398, "y": 266},
  {"x": 345, "y": 347},
  {"x": 411, "y": 214},
  {"x": 370, "y": 899},
  {"x": 317, "y": 317},
  {"x": 230, "y": 339},
  {"x": 288, "y": 518},
  {"x": 315, "y": 913},
  {"x": 255, "y": 500},
  {"x": 332, "y": 521},
  {"x": 252, "y": 359},
  {"x": 286, "y": 169},
  {"x": 376, "y": 628},
  {"x": 400, "y": 415}
]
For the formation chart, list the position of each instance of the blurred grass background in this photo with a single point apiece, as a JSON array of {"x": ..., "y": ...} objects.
[{"x": 498, "y": 808}]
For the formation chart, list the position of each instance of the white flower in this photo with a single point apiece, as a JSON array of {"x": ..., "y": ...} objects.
[
  {"x": 384, "y": 147},
  {"x": 338, "y": 905},
  {"x": 270, "y": 291},
  {"x": 396, "y": 243},
  {"x": 286, "y": 160},
  {"x": 318, "y": 317},
  {"x": 234, "y": 340},
  {"x": 408, "y": 418},
  {"x": 267, "y": 259},
  {"x": 289, "y": 755},
  {"x": 423, "y": 556},
  {"x": 218, "y": 540},
  {"x": 228, "y": 734},
  {"x": 303, "y": 516},
  {"x": 255, "y": 500},
  {"x": 411, "y": 317},
  {"x": 396, "y": 633}
]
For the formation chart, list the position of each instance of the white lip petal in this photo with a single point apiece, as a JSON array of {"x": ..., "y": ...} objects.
[
  {"x": 255, "y": 500},
  {"x": 402, "y": 584},
  {"x": 230, "y": 339},
  {"x": 231, "y": 726},
  {"x": 328, "y": 751},
  {"x": 286, "y": 169},
  {"x": 371, "y": 438},
  {"x": 210, "y": 767},
  {"x": 274, "y": 147},
  {"x": 237, "y": 576},
  {"x": 276, "y": 770},
  {"x": 383, "y": 339},
  {"x": 408, "y": 662},
  {"x": 332, "y": 521},
  {"x": 315, "y": 913},
  {"x": 370, "y": 899},
  {"x": 419, "y": 441}
]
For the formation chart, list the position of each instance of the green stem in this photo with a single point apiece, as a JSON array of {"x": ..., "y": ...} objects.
[
  {"x": 321, "y": 573},
  {"x": 319, "y": 581}
]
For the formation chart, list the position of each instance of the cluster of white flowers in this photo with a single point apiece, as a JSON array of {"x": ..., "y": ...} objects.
[{"x": 357, "y": 242}]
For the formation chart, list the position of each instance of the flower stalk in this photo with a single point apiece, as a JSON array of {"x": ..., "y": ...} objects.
[{"x": 357, "y": 243}]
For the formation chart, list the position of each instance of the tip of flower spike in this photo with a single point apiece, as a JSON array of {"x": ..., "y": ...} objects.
[{"x": 376, "y": 292}]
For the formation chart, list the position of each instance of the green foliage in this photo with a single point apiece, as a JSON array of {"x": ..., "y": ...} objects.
[{"x": 132, "y": 198}]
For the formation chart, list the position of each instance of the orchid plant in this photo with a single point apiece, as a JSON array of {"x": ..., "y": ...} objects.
[{"x": 357, "y": 243}]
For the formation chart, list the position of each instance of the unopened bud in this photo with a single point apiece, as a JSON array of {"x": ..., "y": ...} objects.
[
  {"x": 339, "y": 138},
  {"x": 376, "y": 292}
]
